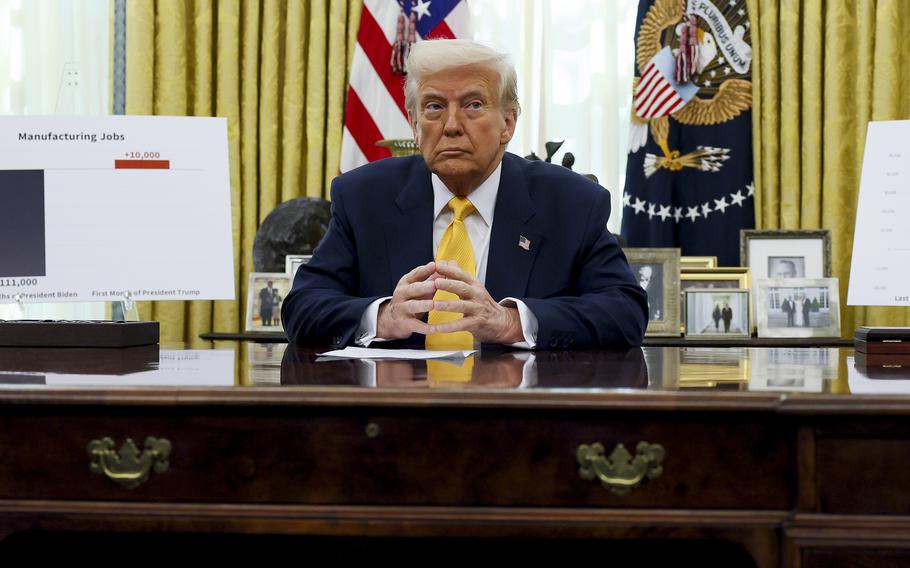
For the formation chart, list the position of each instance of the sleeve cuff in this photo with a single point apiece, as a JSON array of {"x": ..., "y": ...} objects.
[
  {"x": 528, "y": 322},
  {"x": 366, "y": 331}
]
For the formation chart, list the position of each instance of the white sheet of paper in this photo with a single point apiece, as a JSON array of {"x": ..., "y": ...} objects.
[
  {"x": 92, "y": 207},
  {"x": 880, "y": 270},
  {"x": 417, "y": 354}
]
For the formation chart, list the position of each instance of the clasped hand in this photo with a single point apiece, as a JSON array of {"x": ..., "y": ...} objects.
[{"x": 487, "y": 320}]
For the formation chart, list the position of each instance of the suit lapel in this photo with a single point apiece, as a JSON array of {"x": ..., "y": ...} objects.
[
  {"x": 509, "y": 262},
  {"x": 409, "y": 233}
]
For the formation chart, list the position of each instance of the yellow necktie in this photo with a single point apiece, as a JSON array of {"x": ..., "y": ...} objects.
[{"x": 455, "y": 245}]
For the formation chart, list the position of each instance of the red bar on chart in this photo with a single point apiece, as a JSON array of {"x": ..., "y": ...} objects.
[{"x": 142, "y": 164}]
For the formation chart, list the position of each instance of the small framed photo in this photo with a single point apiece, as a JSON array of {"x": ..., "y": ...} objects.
[
  {"x": 719, "y": 278},
  {"x": 801, "y": 307},
  {"x": 786, "y": 254},
  {"x": 657, "y": 271},
  {"x": 687, "y": 262},
  {"x": 265, "y": 293},
  {"x": 293, "y": 261},
  {"x": 713, "y": 313}
]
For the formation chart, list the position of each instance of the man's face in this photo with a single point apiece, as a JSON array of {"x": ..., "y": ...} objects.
[
  {"x": 644, "y": 276},
  {"x": 460, "y": 125},
  {"x": 786, "y": 269}
]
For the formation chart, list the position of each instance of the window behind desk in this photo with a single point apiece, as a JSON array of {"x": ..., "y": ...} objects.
[{"x": 55, "y": 58}]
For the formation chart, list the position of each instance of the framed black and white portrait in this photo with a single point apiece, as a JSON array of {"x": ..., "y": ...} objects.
[
  {"x": 786, "y": 254},
  {"x": 800, "y": 307},
  {"x": 657, "y": 272},
  {"x": 786, "y": 267}
]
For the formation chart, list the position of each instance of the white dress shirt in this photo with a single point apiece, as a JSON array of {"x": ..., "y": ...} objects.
[{"x": 478, "y": 225}]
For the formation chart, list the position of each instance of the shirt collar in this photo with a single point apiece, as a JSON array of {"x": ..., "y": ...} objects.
[{"x": 483, "y": 198}]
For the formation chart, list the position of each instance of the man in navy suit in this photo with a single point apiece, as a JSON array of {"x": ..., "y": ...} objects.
[{"x": 548, "y": 273}]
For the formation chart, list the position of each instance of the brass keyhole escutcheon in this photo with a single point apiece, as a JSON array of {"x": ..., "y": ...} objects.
[{"x": 372, "y": 430}]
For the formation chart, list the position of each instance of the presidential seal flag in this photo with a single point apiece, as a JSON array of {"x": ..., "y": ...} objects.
[{"x": 689, "y": 177}]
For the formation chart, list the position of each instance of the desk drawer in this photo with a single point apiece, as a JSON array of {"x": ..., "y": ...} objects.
[
  {"x": 469, "y": 457},
  {"x": 864, "y": 473}
]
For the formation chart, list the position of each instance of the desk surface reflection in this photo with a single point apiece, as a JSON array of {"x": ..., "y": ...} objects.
[{"x": 790, "y": 455}]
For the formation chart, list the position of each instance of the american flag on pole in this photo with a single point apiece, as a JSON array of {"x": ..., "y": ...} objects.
[
  {"x": 375, "y": 105},
  {"x": 658, "y": 94}
]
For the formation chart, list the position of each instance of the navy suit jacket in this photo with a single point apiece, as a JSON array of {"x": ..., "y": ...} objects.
[{"x": 573, "y": 277}]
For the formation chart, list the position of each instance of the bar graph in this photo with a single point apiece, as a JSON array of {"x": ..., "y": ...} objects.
[
  {"x": 142, "y": 164},
  {"x": 22, "y": 235},
  {"x": 102, "y": 208}
]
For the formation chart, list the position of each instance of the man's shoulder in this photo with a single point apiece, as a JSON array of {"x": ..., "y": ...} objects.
[{"x": 381, "y": 176}]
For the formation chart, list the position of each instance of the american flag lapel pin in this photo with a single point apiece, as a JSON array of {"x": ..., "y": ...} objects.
[{"x": 524, "y": 242}]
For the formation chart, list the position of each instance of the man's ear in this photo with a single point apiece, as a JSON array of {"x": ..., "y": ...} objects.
[{"x": 511, "y": 117}]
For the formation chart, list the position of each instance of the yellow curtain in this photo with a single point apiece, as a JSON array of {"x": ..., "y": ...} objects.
[
  {"x": 278, "y": 71},
  {"x": 822, "y": 70}
]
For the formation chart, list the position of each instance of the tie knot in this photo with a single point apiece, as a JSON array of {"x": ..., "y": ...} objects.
[{"x": 462, "y": 207}]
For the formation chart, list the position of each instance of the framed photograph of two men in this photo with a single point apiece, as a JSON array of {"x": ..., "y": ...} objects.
[
  {"x": 657, "y": 271},
  {"x": 797, "y": 307},
  {"x": 719, "y": 312}
]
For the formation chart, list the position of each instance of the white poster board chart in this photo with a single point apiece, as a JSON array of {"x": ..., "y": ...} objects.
[
  {"x": 102, "y": 208},
  {"x": 880, "y": 269}
]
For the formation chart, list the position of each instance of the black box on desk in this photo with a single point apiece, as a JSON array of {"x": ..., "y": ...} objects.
[{"x": 895, "y": 340}]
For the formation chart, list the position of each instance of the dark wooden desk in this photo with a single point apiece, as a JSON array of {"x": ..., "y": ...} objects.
[
  {"x": 279, "y": 337},
  {"x": 379, "y": 451}
]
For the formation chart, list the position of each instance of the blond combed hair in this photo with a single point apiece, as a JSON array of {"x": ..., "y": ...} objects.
[{"x": 431, "y": 56}]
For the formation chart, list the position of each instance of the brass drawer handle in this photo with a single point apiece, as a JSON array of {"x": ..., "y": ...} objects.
[
  {"x": 128, "y": 467},
  {"x": 621, "y": 472}
]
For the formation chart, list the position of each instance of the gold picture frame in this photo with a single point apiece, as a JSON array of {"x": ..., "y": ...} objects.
[
  {"x": 657, "y": 271},
  {"x": 697, "y": 262},
  {"x": 722, "y": 277}
]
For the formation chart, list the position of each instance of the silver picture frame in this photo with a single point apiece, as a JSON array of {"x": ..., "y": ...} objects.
[
  {"x": 293, "y": 261},
  {"x": 706, "y": 313},
  {"x": 797, "y": 307}
]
